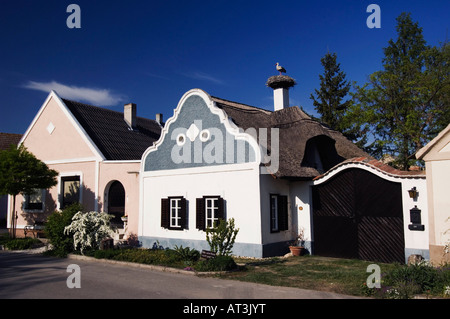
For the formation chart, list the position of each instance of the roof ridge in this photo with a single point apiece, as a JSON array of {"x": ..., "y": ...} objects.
[
  {"x": 105, "y": 109},
  {"x": 239, "y": 105}
]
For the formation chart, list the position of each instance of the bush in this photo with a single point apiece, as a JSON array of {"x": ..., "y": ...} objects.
[
  {"x": 54, "y": 230},
  {"x": 88, "y": 229},
  {"x": 219, "y": 263},
  {"x": 404, "y": 281},
  {"x": 160, "y": 257},
  {"x": 23, "y": 243},
  {"x": 221, "y": 238},
  {"x": 186, "y": 254}
]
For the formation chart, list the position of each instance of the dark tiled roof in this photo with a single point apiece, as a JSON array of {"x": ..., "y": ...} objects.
[
  {"x": 111, "y": 134},
  {"x": 8, "y": 139},
  {"x": 296, "y": 128}
]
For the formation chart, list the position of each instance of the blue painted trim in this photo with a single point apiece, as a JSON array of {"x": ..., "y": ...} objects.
[{"x": 239, "y": 249}]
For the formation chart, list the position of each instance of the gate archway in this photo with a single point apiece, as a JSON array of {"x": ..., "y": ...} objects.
[{"x": 357, "y": 214}]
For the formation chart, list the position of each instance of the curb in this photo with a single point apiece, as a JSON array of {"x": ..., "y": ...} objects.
[{"x": 135, "y": 265}]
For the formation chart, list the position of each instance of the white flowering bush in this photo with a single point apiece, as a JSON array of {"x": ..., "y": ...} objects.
[{"x": 88, "y": 229}]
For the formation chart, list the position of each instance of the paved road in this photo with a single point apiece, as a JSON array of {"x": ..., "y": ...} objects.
[{"x": 24, "y": 275}]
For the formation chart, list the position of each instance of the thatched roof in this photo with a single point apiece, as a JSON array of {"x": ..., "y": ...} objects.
[{"x": 300, "y": 138}]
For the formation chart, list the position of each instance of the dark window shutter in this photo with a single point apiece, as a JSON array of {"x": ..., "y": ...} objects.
[
  {"x": 200, "y": 220},
  {"x": 283, "y": 213},
  {"x": 221, "y": 209},
  {"x": 165, "y": 214},
  {"x": 272, "y": 200},
  {"x": 183, "y": 215}
]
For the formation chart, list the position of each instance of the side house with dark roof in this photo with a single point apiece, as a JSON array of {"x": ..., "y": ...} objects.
[{"x": 97, "y": 153}]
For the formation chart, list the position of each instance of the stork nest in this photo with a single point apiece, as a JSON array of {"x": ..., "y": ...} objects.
[{"x": 280, "y": 81}]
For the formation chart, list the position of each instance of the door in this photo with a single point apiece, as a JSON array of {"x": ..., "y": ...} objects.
[
  {"x": 116, "y": 202},
  {"x": 357, "y": 214}
]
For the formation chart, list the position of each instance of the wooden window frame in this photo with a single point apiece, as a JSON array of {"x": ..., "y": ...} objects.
[
  {"x": 167, "y": 213},
  {"x": 278, "y": 213},
  {"x": 203, "y": 221}
]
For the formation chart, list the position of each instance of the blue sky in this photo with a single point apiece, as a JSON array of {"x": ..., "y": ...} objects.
[{"x": 152, "y": 52}]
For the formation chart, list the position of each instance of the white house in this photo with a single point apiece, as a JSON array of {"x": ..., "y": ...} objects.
[{"x": 221, "y": 159}]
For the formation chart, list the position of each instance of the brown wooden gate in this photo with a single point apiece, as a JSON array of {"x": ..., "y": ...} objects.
[{"x": 357, "y": 214}]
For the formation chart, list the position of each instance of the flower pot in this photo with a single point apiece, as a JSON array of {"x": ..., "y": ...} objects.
[{"x": 296, "y": 250}]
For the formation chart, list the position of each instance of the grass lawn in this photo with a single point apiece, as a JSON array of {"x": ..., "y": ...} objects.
[{"x": 345, "y": 276}]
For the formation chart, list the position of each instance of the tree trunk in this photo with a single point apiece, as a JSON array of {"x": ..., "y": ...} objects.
[{"x": 13, "y": 219}]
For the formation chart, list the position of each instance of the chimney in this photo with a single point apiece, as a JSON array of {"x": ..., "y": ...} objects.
[
  {"x": 280, "y": 85},
  {"x": 129, "y": 115},
  {"x": 159, "y": 118},
  {"x": 280, "y": 98}
]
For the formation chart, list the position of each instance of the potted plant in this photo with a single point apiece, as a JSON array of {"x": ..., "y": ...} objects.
[{"x": 297, "y": 245}]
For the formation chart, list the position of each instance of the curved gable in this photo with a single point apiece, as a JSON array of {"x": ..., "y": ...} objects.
[{"x": 199, "y": 134}]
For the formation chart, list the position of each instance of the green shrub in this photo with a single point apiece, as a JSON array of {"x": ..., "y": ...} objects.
[
  {"x": 404, "y": 281},
  {"x": 160, "y": 257},
  {"x": 89, "y": 229},
  {"x": 23, "y": 243},
  {"x": 187, "y": 254},
  {"x": 221, "y": 238},
  {"x": 54, "y": 230},
  {"x": 219, "y": 263},
  {"x": 104, "y": 254}
]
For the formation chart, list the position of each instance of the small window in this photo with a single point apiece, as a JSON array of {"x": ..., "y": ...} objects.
[
  {"x": 35, "y": 200},
  {"x": 212, "y": 208},
  {"x": 278, "y": 213},
  {"x": 181, "y": 139},
  {"x": 209, "y": 210},
  {"x": 173, "y": 213},
  {"x": 204, "y": 135},
  {"x": 70, "y": 190}
]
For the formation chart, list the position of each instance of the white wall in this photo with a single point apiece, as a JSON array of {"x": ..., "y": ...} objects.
[
  {"x": 302, "y": 209},
  {"x": 439, "y": 175},
  {"x": 269, "y": 185},
  {"x": 237, "y": 184}
]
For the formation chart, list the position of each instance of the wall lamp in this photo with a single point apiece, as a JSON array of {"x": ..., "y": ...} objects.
[{"x": 413, "y": 192}]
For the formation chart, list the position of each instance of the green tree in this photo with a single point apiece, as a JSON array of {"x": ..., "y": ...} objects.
[
  {"x": 330, "y": 100},
  {"x": 54, "y": 229},
  {"x": 406, "y": 104},
  {"x": 22, "y": 173},
  {"x": 221, "y": 238}
]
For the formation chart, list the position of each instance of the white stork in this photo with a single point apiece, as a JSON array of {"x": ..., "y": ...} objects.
[{"x": 280, "y": 68}]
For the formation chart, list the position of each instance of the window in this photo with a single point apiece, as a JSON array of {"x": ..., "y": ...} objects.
[
  {"x": 173, "y": 213},
  {"x": 35, "y": 200},
  {"x": 278, "y": 213},
  {"x": 212, "y": 208},
  {"x": 70, "y": 190},
  {"x": 209, "y": 210}
]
